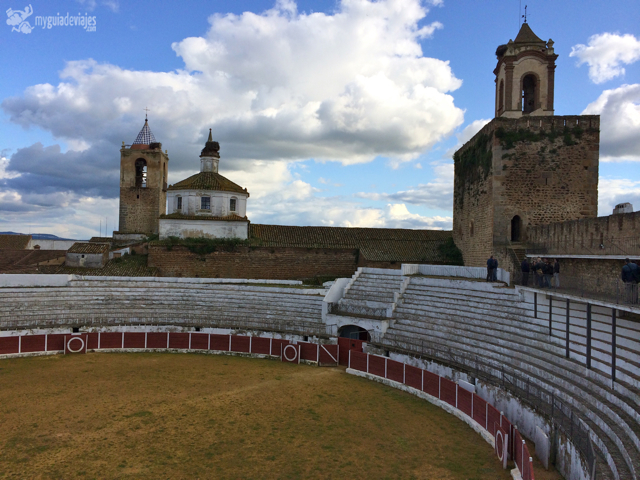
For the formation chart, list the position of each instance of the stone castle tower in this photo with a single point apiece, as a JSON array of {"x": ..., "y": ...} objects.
[
  {"x": 143, "y": 184},
  {"x": 527, "y": 166}
]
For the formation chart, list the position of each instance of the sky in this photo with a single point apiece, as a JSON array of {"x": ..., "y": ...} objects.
[{"x": 336, "y": 113}]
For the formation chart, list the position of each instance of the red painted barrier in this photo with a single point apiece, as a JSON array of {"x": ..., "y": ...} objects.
[
  {"x": 199, "y": 341},
  {"x": 464, "y": 401},
  {"x": 157, "y": 340},
  {"x": 9, "y": 345},
  {"x": 448, "y": 391},
  {"x": 32, "y": 343},
  {"x": 347, "y": 351},
  {"x": 134, "y": 339},
  {"x": 395, "y": 371},
  {"x": 480, "y": 410},
  {"x": 261, "y": 345},
  {"x": 111, "y": 340},
  {"x": 431, "y": 384},
  {"x": 487, "y": 416},
  {"x": 328, "y": 354},
  {"x": 220, "y": 343},
  {"x": 358, "y": 360},
  {"x": 412, "y": 376}
]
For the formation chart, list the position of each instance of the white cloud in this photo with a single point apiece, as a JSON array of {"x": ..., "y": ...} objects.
[
  {"x": 437, "y": 194},
  {"x": 606, "y": 53},
  {"x": 4, "y": 163},
  {"x": 619, "y": 111},
  {"x": 348, "y": 86},
  {"x": 611, "y": 192},
  {"x": 467, "y": 134}
]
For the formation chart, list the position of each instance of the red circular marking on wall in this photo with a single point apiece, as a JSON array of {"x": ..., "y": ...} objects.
[{"x": 81, "y": 344}]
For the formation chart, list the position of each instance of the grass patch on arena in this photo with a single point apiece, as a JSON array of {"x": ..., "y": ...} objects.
[{"x": 205, "y": 416}]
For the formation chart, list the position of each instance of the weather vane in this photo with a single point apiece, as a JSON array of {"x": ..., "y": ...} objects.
[{"x": 525, "y": 14}]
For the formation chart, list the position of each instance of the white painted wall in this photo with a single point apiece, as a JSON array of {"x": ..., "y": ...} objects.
[
  {"x": 170, "y": 227},
  {"x": 220, "y": 202},
  {"x": 54, "y": 244}
]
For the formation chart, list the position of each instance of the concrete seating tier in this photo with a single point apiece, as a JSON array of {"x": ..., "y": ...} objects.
[
  {"x": 207, "y": 305},
  {"x": 476, "y": 321}
]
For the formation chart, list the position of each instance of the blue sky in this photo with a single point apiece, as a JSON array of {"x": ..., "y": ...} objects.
[{"x": 329, "y": 112}]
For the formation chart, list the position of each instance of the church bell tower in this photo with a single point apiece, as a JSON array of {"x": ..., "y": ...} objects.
[
  {"x": 525, "y": 76},
  {"x": 143, "y": 184}
]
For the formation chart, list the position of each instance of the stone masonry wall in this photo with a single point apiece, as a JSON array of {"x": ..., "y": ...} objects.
[
  {"x": 545, "y": 170},
  {"x": 472, "y": 205},
  {"x": 139, "y": 210},
  {"x": 254, "y": 262},
  {"x": 542, "y": 169},
  {"x": 611, "y": 235}
]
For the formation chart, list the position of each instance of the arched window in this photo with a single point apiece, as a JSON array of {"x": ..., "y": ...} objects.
[
  {"x": 141, "y": 173},
  {"x": 516, "y": 228},
  {"x": 233, "y": 202},
  {"x": 501, "y": 97},
  {"x": 529, "y": 87}
]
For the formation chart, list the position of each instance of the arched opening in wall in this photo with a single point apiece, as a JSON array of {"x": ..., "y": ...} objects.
[
  {"x": 501, "y": 97},
  {"x": 141, "y": 173},
  {"x": 354, "y": 332},
  {"x": 516, "y": 229},
  {"x": 529, "y": 84}
]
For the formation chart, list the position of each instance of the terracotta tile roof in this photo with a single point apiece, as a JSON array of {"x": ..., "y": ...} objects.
[
  {"x": 89, "y": 248},
  {"x": 25, "y": 261},
  {"x": 208, "y": 181},
  {"x": 375, "y": 244},
  {"x": 228, "y": 218},
  {"x": 14, "y": 242}
]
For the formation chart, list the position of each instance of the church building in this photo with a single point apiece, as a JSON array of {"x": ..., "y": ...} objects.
[{"x": 206, "y": 205}]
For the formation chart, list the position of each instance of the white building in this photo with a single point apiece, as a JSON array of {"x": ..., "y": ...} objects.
[{"x": 206, "y": 205}]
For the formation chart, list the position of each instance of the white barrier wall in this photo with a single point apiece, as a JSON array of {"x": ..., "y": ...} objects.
[{"x": 453, "y": 271}]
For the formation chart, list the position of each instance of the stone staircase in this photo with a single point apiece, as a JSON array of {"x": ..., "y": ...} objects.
[{"x": 372, "y": 294}]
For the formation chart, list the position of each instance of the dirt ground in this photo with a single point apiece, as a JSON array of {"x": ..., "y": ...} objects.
[{"x": 194, "y": 416}]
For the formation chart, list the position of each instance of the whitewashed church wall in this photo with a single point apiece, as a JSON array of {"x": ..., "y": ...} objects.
[{"x": 203, "y": 229}]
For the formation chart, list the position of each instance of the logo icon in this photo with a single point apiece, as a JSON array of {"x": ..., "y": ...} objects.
[{"x": 17, "y": 19}]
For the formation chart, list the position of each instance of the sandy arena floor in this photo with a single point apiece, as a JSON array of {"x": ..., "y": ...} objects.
[{"x": 110, "y": 415}]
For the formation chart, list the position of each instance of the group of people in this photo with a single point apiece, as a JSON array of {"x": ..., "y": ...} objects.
[{"x": 546, "y": 272}]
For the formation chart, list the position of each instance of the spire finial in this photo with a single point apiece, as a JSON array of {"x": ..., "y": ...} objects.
[
  {"x": 210, "y": 137},
  {"x": 525, "y": 13},
  {"x": 146, "y": 110}
]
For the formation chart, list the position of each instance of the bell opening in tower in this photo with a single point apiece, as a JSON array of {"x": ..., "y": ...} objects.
[
  {"x": 141, "y": 173},
  {"x": 529, "y": 93}
]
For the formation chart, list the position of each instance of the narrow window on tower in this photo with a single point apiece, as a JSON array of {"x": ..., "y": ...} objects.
[
  {"x": 178, "y": 203},
  {"x": 232, "y": 205},
  {"x": 205, "y": 203}
]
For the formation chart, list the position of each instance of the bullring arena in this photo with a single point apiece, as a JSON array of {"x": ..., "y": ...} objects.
[{"x": 543, "y": 379}]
